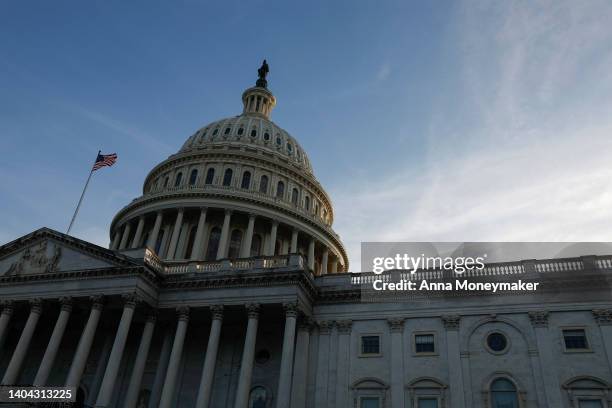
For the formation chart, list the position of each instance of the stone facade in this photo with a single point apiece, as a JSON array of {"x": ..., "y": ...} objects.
[{"x": 167, "y": 319}]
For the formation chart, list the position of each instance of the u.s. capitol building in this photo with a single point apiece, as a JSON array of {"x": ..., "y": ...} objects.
[{"x": 226, "y": 286}]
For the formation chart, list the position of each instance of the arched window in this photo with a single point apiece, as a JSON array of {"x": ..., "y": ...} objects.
[
  {"x": 213, "y": 244},
  {"x": 227, "y": 130},
  {"x": 227, "y": 177},
  {"x": 307, "y": 203},
  {"x": 234, "y": 246},
  {"x": 280, "y": 189},
  {"x": 266, "y": 136},
  {"x": 178, "y": 179},
  {"x": 210, "y": 175},
  {"x": 253, "y": 133},
  {"x": 256, "y": 245},
  {"x": 246, "y": 180},
  {"x": 258, "y": 398},
  {"x": 190, "y": 241},
  {"x": 193, "y": 177},
  {"x": 263, "y": 184},
  {"x": 294, "y": 196},
  {"x": 240, "y": 131},
  {"x": 503, "y": 394}
]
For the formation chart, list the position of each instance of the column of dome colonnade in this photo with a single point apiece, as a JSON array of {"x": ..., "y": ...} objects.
[{"x": 186, "y": 234}]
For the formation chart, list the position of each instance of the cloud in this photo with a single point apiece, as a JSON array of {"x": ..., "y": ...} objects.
[{"x": 534, "y": 162}]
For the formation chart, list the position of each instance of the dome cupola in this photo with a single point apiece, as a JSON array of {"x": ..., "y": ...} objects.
[{"x": 258, "y": 100}]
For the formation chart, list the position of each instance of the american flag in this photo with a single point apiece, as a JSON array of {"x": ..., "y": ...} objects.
[{"x": 104, "y": 160}]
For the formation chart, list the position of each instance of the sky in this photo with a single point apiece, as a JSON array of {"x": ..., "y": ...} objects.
[{"x": 424, "y": 121}]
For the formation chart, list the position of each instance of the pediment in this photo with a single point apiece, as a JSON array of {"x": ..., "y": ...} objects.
[{"x": 48, "y": 251}]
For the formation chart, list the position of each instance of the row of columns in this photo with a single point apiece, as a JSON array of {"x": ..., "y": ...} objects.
[
  {"x": 120, "y": 240},
  {"x": 167, "y": 374}
]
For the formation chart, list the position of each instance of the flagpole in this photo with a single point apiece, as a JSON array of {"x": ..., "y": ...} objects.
[{"x": 76, "y": 211}]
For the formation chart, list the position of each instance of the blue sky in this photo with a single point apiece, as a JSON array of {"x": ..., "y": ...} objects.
[{"x": 435, "y": 120}]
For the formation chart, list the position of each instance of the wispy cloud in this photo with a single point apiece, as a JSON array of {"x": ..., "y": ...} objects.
[{"x": 534, "y": 163}]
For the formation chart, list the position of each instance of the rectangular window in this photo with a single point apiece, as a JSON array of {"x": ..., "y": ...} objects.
[
  {"x": 369, "y": 402},
  {"x": 427, "y": 403},
  {"x": 590, "y": 404},
  {"x": 424, "y": 343},
  {"x": 575, "y": 339},
  {"x": 370, "y": 344}
]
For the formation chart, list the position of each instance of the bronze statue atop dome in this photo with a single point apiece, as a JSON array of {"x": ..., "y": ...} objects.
[{"x": 262, "y": 72}]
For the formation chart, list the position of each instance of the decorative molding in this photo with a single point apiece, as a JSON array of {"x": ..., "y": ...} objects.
[
  {"x": 344, "y": 326},
  {"x": 217, "y": 312},
  {"x": 253, "y": 310},
  {"x": 325, "y": 326},
  {"x": 538, "y": 318},
  {"x": 451, "y": 322},
  {"x": 603, "y": 317},
  {"x": 396, "y": 324}
]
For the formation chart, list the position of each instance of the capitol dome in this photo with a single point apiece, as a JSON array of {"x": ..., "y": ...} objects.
[{"x": 240, "y": 187}]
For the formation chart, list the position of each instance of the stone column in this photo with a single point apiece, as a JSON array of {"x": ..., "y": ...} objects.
[
  {"x": 96, "y": 381},
  {"x": 246, "y": 365},
  {"x": 539, "y": 321},
  {"x": 225, "y": 233},
  {"x": 56, "y": 337},
  {"x": 155, "y": 232},
  {"x": 294, "y": 241},
  {"x": 5, "y": 319},
  {"x": 115, "y": 243},
  {"x": 272, "y": 243},
  {"x": 196, "y": 252},
  {"x": 160, "y": 372},
  {"x": 114, "y": 361},
  {"x": 334, "y": 266},
  {"x": 175, "y": 234},
  {"x": 396, "y": 325},
  {"x": 451, "y": 324},
  {"x": 131, "y": 398},
  {"x": 138, "y": 234},
  {"x": 208, "y": 371},
  {"x": 14, "y": 368},
  {"x": 126, "y": 235},
  {"x": 343, "y": 359},
  {"x": 300, "y": 371},
  {"x": 283, "y": 397},
  {"x": 245, "y": 251},
  {"x": 603, "y": 317},
  {"x": 324, "y": 260},
  {"x": 84, "y": 347},
  {"x": 167, "y": 396},
  {"x": 311, "y": 254},
  {"x": 325, "y": 328}
]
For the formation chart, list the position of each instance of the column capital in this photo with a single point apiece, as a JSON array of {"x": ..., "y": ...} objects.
[
  {"x": 130, "y": 299},
  {"x": 7, "y": 307},
  {"x": 36, "y": 305},
  {"x": 228, "y": 212},
  {"x": 252, "y": 215},
  {"x": 291, "y": 309},
  {"x": 183, "y": 313},
  {"x": 217, "y": 312},
  {"x": 253, "y": 310},
  {"x": 152, "y": 315},
  {"x": 325, "y": 326},
  {"x": 451, "y": 322},
  {"x": 66, "y": 302},
  {"x": 603, "y": 317},
  {"x": 275, "y": 222},
  {"x": 181, "y": 209},
  {"x": 538, "y": 318},
  {"x": 305, "y": 323},
  {"x": 97, "y": 302},
  {"x": 396, "y": 324},
  {"x": 203, "y": 209},
  {"x": 344, "y": 326}
]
